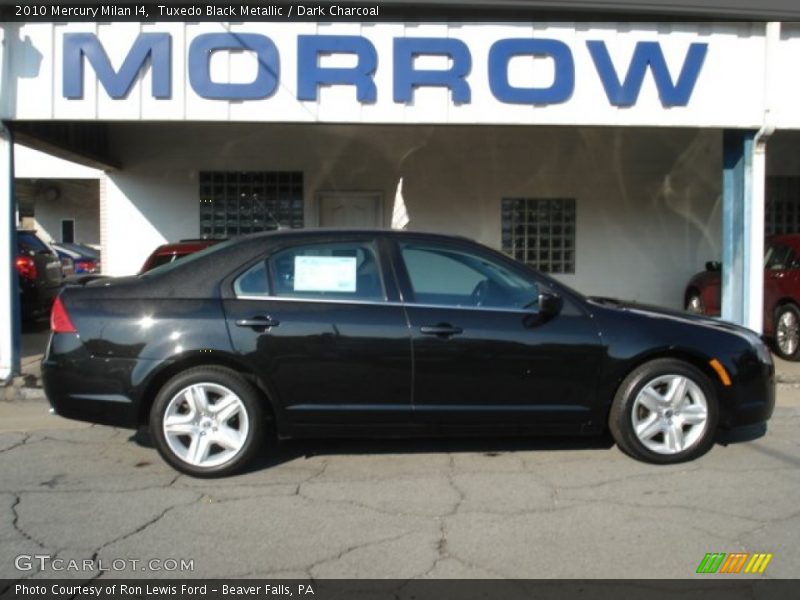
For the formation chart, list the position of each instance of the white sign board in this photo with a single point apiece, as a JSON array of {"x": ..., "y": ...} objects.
[{"x": 324, "y": 274}]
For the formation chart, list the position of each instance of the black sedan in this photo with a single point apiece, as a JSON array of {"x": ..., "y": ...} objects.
[{"x": 373, "y": 333}]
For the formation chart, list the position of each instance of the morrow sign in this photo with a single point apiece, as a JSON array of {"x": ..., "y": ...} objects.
[{"x": 154, "y": 51}]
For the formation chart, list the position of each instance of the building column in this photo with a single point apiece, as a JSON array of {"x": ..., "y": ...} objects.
[
  {"x": 9, "y": 294},
  {"x": 742, "y": 230}
]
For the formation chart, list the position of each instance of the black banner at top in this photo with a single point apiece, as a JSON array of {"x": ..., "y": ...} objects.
[{"x": 397, "y": 10}]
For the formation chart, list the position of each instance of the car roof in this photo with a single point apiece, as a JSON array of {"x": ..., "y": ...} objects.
[
  {"x": 786, "y": 239},
  {"x": 316, "y": 232},
  {"x": 333, "y": 232},
  {"x": 185, "y": 246}
]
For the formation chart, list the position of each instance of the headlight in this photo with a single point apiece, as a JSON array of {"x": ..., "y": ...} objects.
[
  {"x": 761, "y": 348},
  {"x": 764, "y": 355}
]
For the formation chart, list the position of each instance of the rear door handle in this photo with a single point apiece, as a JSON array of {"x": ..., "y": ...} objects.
[
  {"x": 259, "y": 322},
  {"x": 441, "y": 330}
]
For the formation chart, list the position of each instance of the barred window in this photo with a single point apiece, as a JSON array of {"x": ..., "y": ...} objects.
[
  {"x": 540, "y": 232},
  {"x": 234, "y": 203},
  {"x": 782, "y": 205}
]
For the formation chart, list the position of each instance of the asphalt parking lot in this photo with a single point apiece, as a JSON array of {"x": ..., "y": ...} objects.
[{"x": 394, "y": 509}]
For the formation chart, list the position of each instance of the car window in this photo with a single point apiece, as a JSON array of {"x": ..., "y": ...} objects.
[
  {"x": 444, "y": 276},
  {"x": 187, "y": 258},
  {"x": 162, "y": 259},
  {"x": 347, "y": 271},
  {"x": 778, "y": 257},
  {"x": 252, "y": 282},
  {"x": 28, "y": 243}
]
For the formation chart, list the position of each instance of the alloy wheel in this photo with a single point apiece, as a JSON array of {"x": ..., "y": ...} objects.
[
  {"x": 695, "y": 304},
  {"x": 670, "y": 414},
  {"x": 787, "y": 334},
  {"x": 205, "y": 425}
]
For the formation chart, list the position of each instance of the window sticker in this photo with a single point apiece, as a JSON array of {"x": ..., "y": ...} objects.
[{"x": 324, "y": 274}]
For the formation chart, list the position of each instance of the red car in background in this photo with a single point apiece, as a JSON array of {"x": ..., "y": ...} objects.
[
  {"x": 168, "y": 253},
  {"x": 781, "y": 293}
]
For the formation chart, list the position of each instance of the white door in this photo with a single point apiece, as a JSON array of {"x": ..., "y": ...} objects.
[{"x": 359, "y": 210}]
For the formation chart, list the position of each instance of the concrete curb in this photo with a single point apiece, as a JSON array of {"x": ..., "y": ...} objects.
[{"x": 19, "y": 389}]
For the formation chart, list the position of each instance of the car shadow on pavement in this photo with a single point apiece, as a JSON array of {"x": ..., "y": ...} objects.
[{"x": 275, "y": 453}]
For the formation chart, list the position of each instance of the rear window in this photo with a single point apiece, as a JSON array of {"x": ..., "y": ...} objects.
[
  {"x": 28, "y": 243},
  {"x": 162, "y": 259},
  {"x": 173, "y": 262}
]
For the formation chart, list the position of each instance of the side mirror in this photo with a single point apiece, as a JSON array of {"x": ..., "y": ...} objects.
[{"x": 550, "y": 304}]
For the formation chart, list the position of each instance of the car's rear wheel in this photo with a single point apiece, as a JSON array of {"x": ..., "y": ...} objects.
[
  {"x": 665, "y": 412},
  {"x": 207, "y": 421},
  {"x": 787, "y": 332},
  {"x": 694, "y": 302}
]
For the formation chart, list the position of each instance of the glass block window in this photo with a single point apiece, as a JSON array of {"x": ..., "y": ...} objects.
[
  {"x": 235, "y": 203},
  {"x": 540, "y": 232},
  {"x": 782, "y": 205}
]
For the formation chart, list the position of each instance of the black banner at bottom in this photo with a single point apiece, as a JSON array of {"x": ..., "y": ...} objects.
[{"x": 712, "y": 588}]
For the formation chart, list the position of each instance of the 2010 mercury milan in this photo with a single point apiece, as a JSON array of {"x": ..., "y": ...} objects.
[{"x": 373, "y": 333}]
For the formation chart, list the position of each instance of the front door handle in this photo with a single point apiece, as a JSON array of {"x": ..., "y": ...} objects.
[
  {"x": 443, "y": 330},
  {"x": 259, "y": 322}
]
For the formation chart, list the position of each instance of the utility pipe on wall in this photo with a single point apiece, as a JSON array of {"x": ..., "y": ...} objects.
[{"x": 755, "y": 207}]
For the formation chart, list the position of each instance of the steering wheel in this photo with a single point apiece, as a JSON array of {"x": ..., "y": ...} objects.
[{"x": 479, "y": 294}]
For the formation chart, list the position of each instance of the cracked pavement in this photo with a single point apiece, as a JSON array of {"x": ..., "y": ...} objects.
[{"x": 518, "y": 508}]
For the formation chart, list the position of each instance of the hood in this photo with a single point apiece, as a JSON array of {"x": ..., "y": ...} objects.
[{"x": 659, "y": 312}]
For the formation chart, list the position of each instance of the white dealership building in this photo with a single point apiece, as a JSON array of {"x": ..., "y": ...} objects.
[{"x": 619, "y": 157}]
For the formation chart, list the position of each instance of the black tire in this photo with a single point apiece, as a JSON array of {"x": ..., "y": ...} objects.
[
  {"x": 248, "y": 421},
  {"x": 694, "y": 302},
  {"x": 786, "y": 341},
  {"x": 621, "y": 417}
]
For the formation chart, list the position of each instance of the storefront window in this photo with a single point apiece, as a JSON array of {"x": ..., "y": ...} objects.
[
  {"x": 783, "y": 205},
  {"x": 236, "y": 203},
  {"x": 540, "y": 232}
]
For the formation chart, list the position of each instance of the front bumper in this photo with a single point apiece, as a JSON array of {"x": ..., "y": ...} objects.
[{"x": 751, "y": 400}]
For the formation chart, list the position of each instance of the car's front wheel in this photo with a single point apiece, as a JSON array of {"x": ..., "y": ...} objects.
[
  {"x": 207, "y": 422},
  {"x": 664, "y": 412},
  {"x": 694, "y": 302},
  {"x": 787, "y": 332}
]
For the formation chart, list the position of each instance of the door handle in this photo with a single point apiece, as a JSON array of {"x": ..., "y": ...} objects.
[
  {"x": 259, "y": 322},
  {"x": 442, "y": 330}
]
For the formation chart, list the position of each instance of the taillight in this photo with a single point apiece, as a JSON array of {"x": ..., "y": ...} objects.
[
  {"x": 85, "y": 266},
  {"x": 26, "y": 267},
  {"x": 59, "y": 319}
]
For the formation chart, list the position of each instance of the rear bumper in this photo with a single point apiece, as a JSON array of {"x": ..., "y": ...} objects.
[
  {"x": 94, "y": 389},
  {"x": 36, "y": 300}
]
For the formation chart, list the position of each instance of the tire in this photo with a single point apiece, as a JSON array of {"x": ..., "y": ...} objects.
[
  {"x": 674, "y": 424},
  {"x": 207, "y": 422},
  {"x": 694, "y": 302},
  {"x": 787, "y": 332}
]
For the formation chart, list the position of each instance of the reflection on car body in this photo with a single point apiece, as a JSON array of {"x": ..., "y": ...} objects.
[{"x": 372, "y": 333}]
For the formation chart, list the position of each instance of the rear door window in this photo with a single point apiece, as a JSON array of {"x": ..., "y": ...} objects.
[
  {"x": 336, "y": 271},
  {"x": 28, "y": 243}
]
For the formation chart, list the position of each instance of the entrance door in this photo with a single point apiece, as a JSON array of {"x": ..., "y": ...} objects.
[{"x": 360, "y": 210}]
